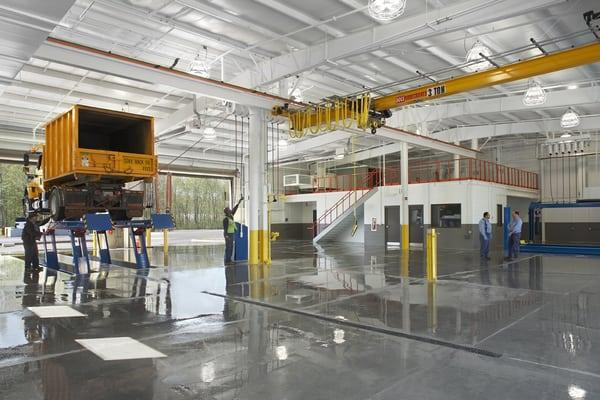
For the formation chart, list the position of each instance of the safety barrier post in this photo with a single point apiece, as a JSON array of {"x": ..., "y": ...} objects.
[{"x": 431, "y": 255}]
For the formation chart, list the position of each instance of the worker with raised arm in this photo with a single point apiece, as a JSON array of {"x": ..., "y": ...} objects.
[{"x": 229, "y": 230}]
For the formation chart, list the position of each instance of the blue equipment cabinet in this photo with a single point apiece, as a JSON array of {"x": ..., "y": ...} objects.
[{"x": 241, "y": 242}]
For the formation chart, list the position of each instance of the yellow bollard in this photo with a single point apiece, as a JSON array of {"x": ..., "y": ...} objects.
[{"x": 431, "y": 255}]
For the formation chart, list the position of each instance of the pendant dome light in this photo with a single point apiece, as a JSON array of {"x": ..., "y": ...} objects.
[
  {"x": 474, "y": 55},
  {"x": 570, "y": 119},
  {"x": 200, "y": 66},
  {"x": 535, "y": 94},
  {"x": 386, "y": 10},
  {"x": 210, "y": 133}
]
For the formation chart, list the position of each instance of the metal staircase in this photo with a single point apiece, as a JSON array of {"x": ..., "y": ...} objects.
[{"x": 333, "y": 218}]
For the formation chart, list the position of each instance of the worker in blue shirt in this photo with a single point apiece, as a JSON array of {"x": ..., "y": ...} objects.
[
  {"x": 485, "y": 235},
  {"x": 514, "y": 238}
]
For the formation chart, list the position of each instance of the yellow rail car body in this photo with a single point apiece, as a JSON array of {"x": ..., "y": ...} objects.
[{"x": 87, "y": 144}]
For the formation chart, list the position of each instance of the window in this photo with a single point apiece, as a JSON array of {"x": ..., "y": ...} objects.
[
  {"x": 445, "y": 215},
  {"x": 499, "y": 214}
]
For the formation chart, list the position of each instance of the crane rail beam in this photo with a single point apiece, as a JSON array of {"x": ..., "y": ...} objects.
[{"x": 543, "y": 64}]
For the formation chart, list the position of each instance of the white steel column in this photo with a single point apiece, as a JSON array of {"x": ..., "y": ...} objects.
[
  {"x": 257, "y": 210},
  {"x": 456, "y": 167},
  {"x": 474, "y": 144},
  {"x": 404, "y": 202}
]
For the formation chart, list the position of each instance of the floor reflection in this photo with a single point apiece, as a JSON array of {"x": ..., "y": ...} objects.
[{"x": 540, "y": 309}]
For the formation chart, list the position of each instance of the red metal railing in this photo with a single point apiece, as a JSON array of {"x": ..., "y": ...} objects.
[
  {"x": 433, "y": 171},
  {"x": 470, "y": 169},
  {"x": 364, "y": 185}
]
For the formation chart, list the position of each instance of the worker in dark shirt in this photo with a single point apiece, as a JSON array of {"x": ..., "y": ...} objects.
[
  {"x": 30, "y": 235},
  {"x": 229, "y": 229}
]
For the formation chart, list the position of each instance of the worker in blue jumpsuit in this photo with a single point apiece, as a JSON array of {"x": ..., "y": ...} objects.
[
  {"x": 485, "y": 235},
  {"x": 514, "y": 238},
  {"x": 229, "y": 229}
]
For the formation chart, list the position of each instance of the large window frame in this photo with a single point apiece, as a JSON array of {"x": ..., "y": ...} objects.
[{"x": 446, "y": 215}]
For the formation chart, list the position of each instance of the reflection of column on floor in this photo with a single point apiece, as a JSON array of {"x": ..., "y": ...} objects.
[
  {"x": 260, "y": 282},
  {"x": 432, "y": 306},
  {"x": 535, "y": 273},
  {"x": 404, "y": 263},
  {"x": 258, "y": 343},
  {"x": 405, "y": 310}
]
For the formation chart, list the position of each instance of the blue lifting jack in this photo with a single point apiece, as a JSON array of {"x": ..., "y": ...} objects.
[{"x": 81, "y": 260}]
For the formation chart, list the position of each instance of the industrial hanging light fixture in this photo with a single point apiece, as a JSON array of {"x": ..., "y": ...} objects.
[
  {"x": 474, "y": 54},
  {"x": 210, "y": 133},
  {"x": 296, "y": 95},
  {"x": 570, "y": 119},
  {"x": 200, "y": 66},
  {"x": 535, "y": 94},
  {"x": 386, "y": 10}
]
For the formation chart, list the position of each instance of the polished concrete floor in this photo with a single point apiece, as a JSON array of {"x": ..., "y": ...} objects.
[{"x": 333, "y": 322}]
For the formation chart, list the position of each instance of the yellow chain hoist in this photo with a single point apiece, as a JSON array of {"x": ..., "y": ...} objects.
[{"x": 329, "y": 117}]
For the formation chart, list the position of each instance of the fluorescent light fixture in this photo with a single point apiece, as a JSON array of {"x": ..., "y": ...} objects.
[
  {"x": 572, "y": 87},
  {"x": 570, "y": 119},
  {"x": 535, "y": 95},
  {"x": 566, "y": 135},
  {"x": 474, "y": 55},
  {"x": 210, "y": 133},
  {"x": 386, "y": 10}
]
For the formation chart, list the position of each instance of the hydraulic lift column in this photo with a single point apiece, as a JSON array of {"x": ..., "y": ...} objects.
[{"x": 258, "y": 217}]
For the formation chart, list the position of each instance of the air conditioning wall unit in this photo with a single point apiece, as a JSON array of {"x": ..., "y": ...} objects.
[{"x": 298, "y": 180}]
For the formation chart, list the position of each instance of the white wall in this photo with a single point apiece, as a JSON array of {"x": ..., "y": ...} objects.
[
  {"x": 475, "y": 198},
  {"x": 323, "y": 201}
]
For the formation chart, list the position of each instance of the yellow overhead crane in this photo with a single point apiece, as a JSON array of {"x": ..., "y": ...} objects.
[{"x": 369, "y": 112}]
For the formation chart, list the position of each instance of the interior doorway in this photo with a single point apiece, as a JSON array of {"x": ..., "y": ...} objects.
[
  {"x": 416, "y": 224},
  {"x": 392, "y": 225}
]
